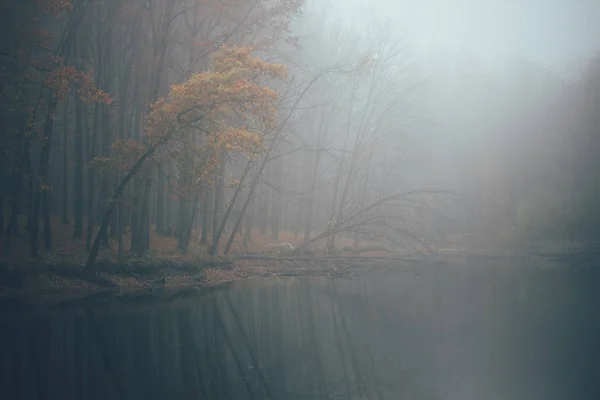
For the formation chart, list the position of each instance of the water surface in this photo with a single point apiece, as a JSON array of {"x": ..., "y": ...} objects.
[{"x": 489, "y": 330}]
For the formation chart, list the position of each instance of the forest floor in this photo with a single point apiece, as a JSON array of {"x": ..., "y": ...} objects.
[{"x": 57, "y": 275}]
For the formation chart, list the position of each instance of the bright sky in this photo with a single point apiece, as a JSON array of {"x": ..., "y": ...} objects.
[{"x": 555, "y": 32}]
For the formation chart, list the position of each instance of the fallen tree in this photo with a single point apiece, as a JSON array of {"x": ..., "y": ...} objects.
[{"x": 389, "y": 218}]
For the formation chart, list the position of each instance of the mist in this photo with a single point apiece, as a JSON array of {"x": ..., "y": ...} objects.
[
  {"x": 492, "y": 104},
  {"x": 157, "y": 149}
]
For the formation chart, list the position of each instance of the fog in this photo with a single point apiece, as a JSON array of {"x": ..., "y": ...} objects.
[
  {"x": 491, "y": 104},
  {"x": 426, "y": 123},
  {"x": 156, "y": 147},
  {"x": 557, "y": 33}
]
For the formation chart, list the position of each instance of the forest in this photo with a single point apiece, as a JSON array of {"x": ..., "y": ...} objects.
[{"x": 133, "y": 126}]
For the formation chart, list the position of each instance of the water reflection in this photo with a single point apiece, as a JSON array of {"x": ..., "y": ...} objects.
[{"x": 479, "y": 332}]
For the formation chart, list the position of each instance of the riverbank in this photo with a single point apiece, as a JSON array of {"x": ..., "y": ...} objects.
[
  {"x": 58, "y": 276},
  {"x": 51, "y": 284},
  {"x": 57, "y": 282}
]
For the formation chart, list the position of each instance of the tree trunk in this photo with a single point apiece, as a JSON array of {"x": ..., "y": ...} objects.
[
  {"x": 266, "y": 157},
  {"x": 145, "y": 223},
  {"x": 167, "y": 211},
  {"x": 183, "y": 214},
  {"x": 116, "y": 195},
  {"x": 47, "y": 223},
  {"x": 90, "y": 209},
  {"x": 313, "y": 182},
  {"x": 218, "y": 207},
  {"x": 276, "y": 201},
  {"x": 215, "y": 243},
  {"x": 29, "y": 193},
  {"x": 78, "y": 171},
  {"x": 65, "y": 164},
  {"x": 42, "y": 175},
  {"x": 136, "y": 217},
  {"x": 12, "y": 229},
  {"x": 104, "y": 177},
  {"x": 206, "y": 218},
  {"x": 248, "y": 232},
  {"x": 186, "y": 235},
  {"x": 331, "y": 241},
  {"x": 263, "y": 210},
  {"x": 160, "y": 204},
  {"x": 115, "y": 221},
  {"x": 301, "y": 199},
  {"x": 91, "y": 173},
  {"x": 1, "y": 213},
  {"x": 119, "y": 229}
]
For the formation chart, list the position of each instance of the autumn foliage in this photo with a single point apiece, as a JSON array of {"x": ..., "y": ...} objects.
[
  {"x": 231, "y": 103},
  {"x": 232, "y": 90},
  {"x": 61, "y": 78},
  {"x": 94, "y": 94}
]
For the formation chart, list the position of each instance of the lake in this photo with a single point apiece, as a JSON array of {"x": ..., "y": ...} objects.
[{"x": 471, "y": 331}]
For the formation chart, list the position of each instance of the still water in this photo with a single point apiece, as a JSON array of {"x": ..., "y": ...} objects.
[{"x": 469, "y": 332}]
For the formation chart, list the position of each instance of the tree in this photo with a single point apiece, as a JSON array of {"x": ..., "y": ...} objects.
[{"x": 229, "y": 102}]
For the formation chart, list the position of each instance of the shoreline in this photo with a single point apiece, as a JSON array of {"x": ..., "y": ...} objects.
[{"x": 59, "y": 282}]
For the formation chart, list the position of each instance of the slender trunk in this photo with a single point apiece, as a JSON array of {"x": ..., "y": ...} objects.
[
  {"x": 266, "y": 157},
  {"x": 235, "y": 212},
  {"x": 364, "y": 192},
  {"x": 12, "y": 223},
  {"x": 122, "y": 122},
  {"x": 160, "y": 204},
  {"x": 349, "y": 180},
  {"x": 331, "y": 241},
  {"x": 12, "y": 229},
  {"x": 313, "y": 182},
  {"x": 185, "y": 183},
  {"x": 1, "y": 213},
  {"x": 248, "y": 232},
  {"x": 102, "y": 132},
  {"x": 104, "y": 177},
  {"x": 182, "y": 225},
  {"x": 183, "y": 214},
  {"x": 276, "y": 201},
  {"x": 215, "y": 243},
  {"x": 90, "y": 209},
  {"x": 29, "y": 193},
  {"x": 65, "y": 164},
  {"x": 47, "y": 224},
  {"x": 34, "y": 227},
  {"x": 285, "y": 216},
  {"x": 145, "y": 222},
  {"x": 91, "y": 174},
  {"x": 78, "y": 171},
  {"x": 218, "y": 207},
  {"x": 311, "y": 199},
  {"x": 41, "y": 184},
  {"x": 140, "y": 228},
  {"x": 167, "y": 211},
  {"x": 116, "y": 195},
  {"x": 249, "y": 198},
  {"x": 136, "y": 217},
  {"x": 184, "y": 239},
  {"x": 264, "y": 206},
  {"x": 120, "y": 230},
  {"x": 301, "y": 199},
  {"x": 115, "y": 220},
  {"x": 206, "y": 218}
]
